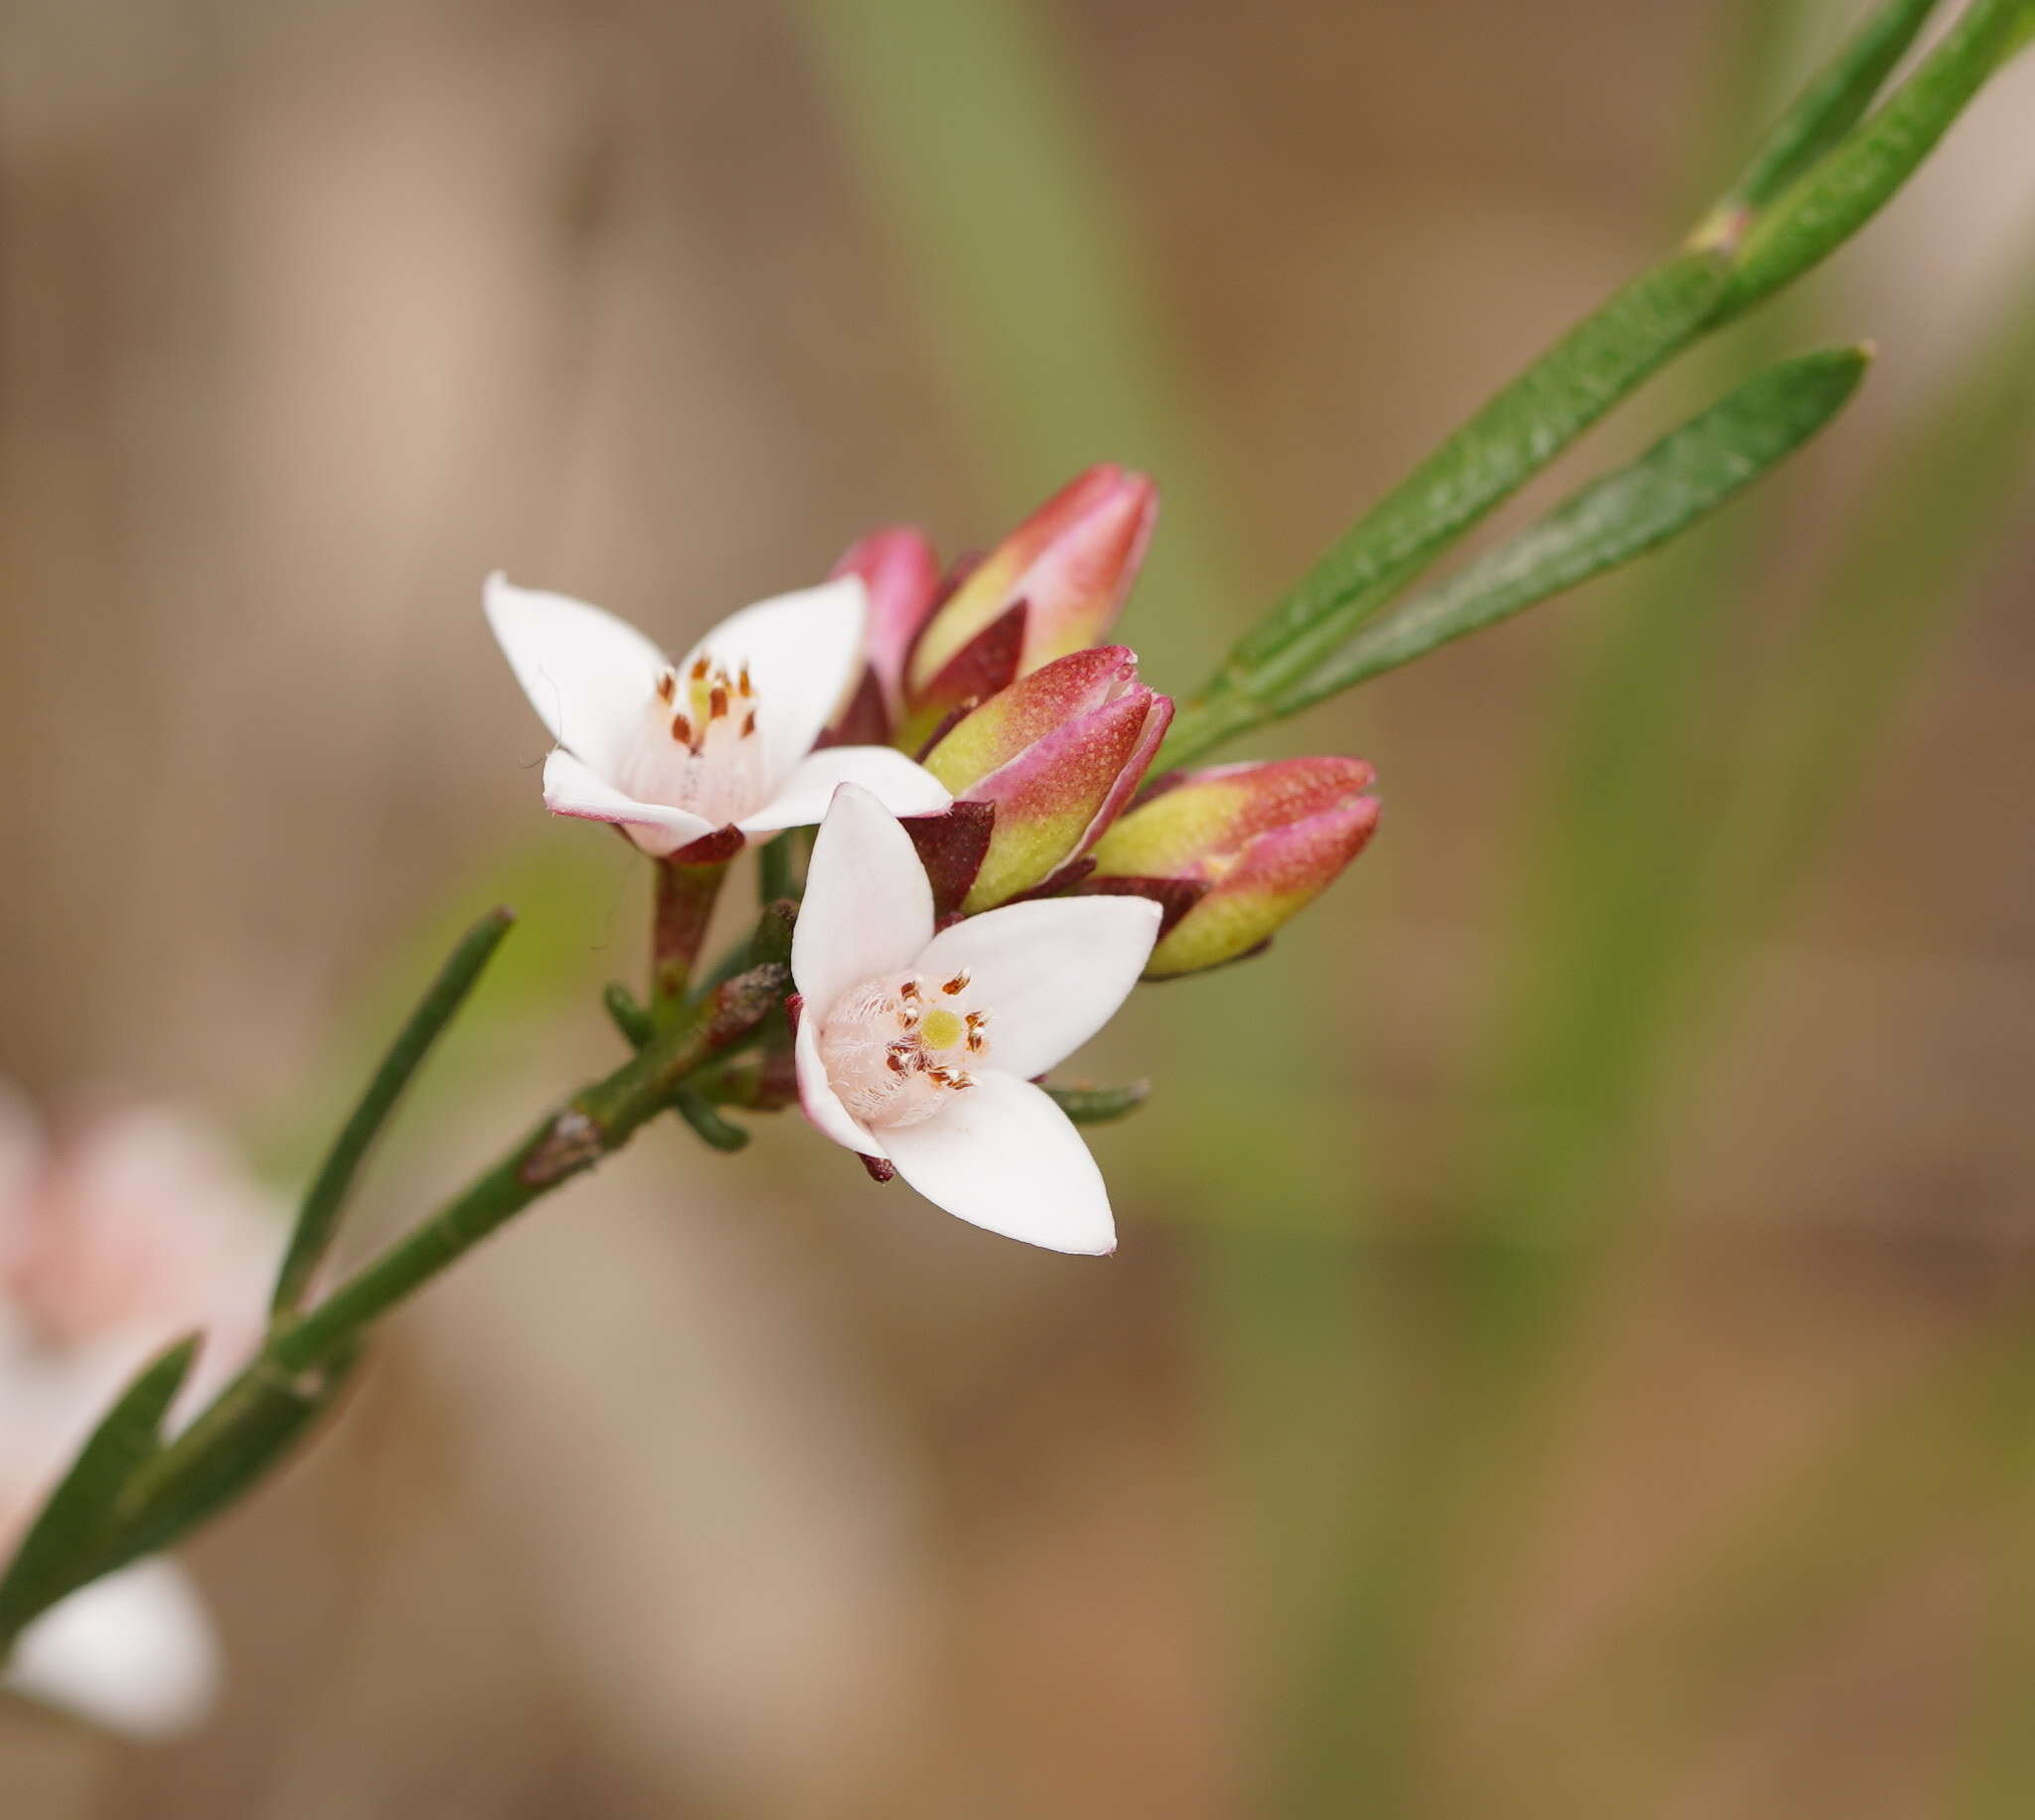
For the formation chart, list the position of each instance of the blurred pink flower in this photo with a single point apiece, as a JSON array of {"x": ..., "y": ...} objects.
[{"x": 134, "y": 1229}]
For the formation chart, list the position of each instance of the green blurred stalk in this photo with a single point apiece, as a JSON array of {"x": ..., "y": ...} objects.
[
  {"x": 1665, "y": 879},
  {"x": 988, "y": 167},
  {"x": 981, "y": 161},
  {"x": 1583, "y": 971}
]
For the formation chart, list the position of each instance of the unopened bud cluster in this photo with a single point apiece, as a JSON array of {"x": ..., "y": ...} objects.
[{"x": 993, "y": 678}]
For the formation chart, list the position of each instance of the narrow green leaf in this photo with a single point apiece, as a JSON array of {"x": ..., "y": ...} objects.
[
  {"x": 626, "y": 1014},
  {"x": 318, "y": 1218},
  {"x": 1682, "y": 477},
  {"x": 700, "y": 1112},
  {"x": 235, "y": 1443},
  {"x": 1833, "y": 102},
  {"x": 76, "y": 1516},
  {"x": 1502, "y": 446},
  {"x": 1100, "y": 1105},
  {"x": 1837, "y": 198}
]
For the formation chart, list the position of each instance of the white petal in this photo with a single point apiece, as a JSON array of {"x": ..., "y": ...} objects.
[
  {"x": 588, "y": 674},
  {"x": 868, "y": 908},
  {"x": 133, "y": 1652},
  {"x": 903, "y": 787},
  {"x": 1050, "y": 974},
  {"x": 803, "y": 651},
  {"x": 1003, "y": 1156},
  {"x": 572, "y": 788},
  {"x": 821, "y": 1103}
]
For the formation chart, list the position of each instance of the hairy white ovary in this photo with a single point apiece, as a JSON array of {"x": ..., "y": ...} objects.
[{"x": 897, "y": 1049}]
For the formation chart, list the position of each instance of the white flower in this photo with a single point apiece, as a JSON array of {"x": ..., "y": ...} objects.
[
  {"x": 133, "y": 1652},
  {"x": 920, "y": 1049},
  {"x": 672, "y": 752},
  {"x": 138, "y": 1229}
]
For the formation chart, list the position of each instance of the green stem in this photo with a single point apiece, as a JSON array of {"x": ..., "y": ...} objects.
[
  {"x": 686, "y": 896},
  {"x": 325, "y": 1200},
  {"x": 775, "y": 870},
  {"x": 595, "y": 1123}
]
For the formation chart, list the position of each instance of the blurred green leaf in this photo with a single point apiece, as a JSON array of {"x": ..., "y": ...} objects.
[
  {"x": 325, "y": 1200},
  {"x": 79, "y": 1515},
  {"x": 1100, "y": 1105},
  {"x": 626, "y": 1014},
  {"x": 1022, "y": 234},
  {"x": 1925, "y": 524},
  {"x": 1827, "y": 108},
  {"x": 1688, "y": 474}
]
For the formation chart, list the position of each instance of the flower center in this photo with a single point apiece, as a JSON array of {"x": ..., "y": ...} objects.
[
  {"x": 897, "y": 1049},
  {"x": 698, "y": 748}
]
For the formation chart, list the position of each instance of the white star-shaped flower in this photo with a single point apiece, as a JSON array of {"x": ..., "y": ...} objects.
[
  {"x": 673, "y": 752},
  {"x": 920, "y": 1049}
]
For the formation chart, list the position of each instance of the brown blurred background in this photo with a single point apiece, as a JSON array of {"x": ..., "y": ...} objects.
[{"x": 739, "y": 1488}]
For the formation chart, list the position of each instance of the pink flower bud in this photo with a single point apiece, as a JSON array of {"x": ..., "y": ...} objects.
[
  {"x": 1230, "y": 853},
  {"x": 902, "y": 573},
  {"x": 1056, "y": 754},
  {"x": 1070, "y": 565}
]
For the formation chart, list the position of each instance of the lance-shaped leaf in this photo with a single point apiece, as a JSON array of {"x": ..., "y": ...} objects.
[
  {"x": 1502, "y": 446},
  {"x": 233, "y": 1445},
  {"x": 1846, "y": 189},
  {"x": 74, "y": 1521},
  {"x": 1832, "y": 103},
  {"x": 1688, "y": 473}
]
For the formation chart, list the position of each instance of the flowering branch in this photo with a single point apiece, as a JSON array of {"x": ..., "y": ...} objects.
[{"x": 994, "y": 868}]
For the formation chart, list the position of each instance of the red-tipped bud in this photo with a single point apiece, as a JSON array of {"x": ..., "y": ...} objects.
[
  {"x": 1070, "y": 565},
  {"x": 1234, "y": 850},
  {"x": 902, "y": 573},
  {"x": 1058, "y": 754}
]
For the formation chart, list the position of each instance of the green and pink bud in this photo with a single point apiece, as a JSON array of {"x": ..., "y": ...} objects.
[
  {"x": 1232, "y": 851},
  {"x": 1054, "y": 756},
  {"x": 1068, "y": 567}
]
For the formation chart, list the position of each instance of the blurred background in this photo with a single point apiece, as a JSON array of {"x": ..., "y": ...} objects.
[{"x": 1567, "y": 1354}]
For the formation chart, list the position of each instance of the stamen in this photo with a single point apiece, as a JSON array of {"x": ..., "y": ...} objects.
[
  {"x": 702, "y": 757},
  {"x": 744, "y": 687},
  {"x": 891, "y": 1057}
]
